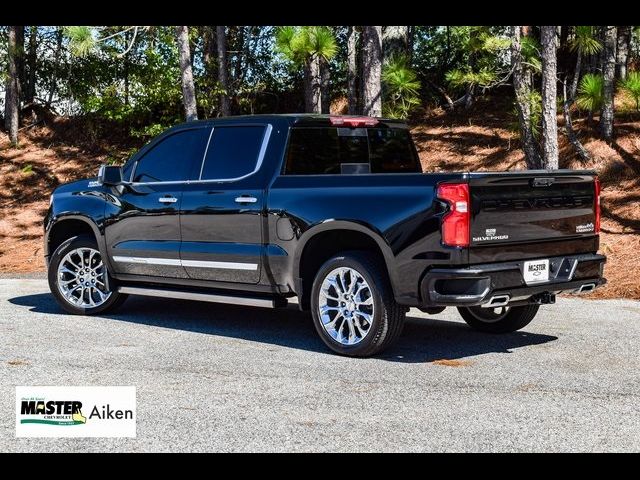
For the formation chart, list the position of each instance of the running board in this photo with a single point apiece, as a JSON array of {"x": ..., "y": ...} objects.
[{"x": 205, "y": 297}]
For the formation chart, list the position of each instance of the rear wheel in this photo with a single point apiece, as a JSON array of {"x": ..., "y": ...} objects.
[
  {"x": 353, "y": 307},
  {"x": 500, "y": 319},
  {"x": 79, "y": 280}
]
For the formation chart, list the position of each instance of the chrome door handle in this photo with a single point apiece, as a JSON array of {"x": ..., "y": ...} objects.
[
  {"x": 167, "y": 199},
  {"x": 246, "y": 199}
]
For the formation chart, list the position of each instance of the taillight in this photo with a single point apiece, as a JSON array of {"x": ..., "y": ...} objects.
[
  {"x": 596, "y": 203},
  {"x": 456, "y": 222},
  {"x": 353, "y": 122}
]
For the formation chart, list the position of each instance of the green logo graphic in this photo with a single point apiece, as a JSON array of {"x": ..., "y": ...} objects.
[{"x": 53, "y": 412}]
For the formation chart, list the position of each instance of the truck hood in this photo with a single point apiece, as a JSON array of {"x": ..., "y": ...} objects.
[{"x": 78, "y": 186}]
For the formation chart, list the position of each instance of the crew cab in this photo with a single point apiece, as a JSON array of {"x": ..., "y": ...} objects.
[{"x": 331, "y": 210}]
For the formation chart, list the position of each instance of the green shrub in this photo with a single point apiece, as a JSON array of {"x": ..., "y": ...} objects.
[
  {"x": 591, "y": 92},
  {"x": 401, "y": 88},
  {"x": 631, "y": 85}
]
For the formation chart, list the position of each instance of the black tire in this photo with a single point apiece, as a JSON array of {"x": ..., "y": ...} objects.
[
  {"x": 115, "y": 300},
  {"x": 388, "y": 317},
  {"x": 513, "y": 319}
]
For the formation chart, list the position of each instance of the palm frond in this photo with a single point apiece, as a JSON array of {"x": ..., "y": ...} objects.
[
  {"x": 285, "y": 41},
  {"x": 401, "y": 86},
  {"x": 585, "y": 40},
  {"x": 591, "y": 92},
  {"x": 81, "y": 40},
  {"x": 321, "y": 41}
]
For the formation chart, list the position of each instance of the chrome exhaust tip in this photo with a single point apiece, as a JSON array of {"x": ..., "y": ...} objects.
[
  {"x": 497, "y": 301},
  {"x": 586, "y": 288}
]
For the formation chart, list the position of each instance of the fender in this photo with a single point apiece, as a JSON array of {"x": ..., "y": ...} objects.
[
  {"x": 97, "y": 232},
  {"x": 331, "y": 224}
]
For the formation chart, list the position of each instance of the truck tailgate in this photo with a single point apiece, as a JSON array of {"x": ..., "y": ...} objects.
[{"x": 533, "y": 206}]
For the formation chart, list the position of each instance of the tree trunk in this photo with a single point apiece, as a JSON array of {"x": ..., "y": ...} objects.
[
  {"x": 372, "y": 70},
  {"x": 12, "y": 91},
  {"x": 223, "y": 70},
  {"x": 469, "y": 96},
  {"x": 238, "y": 46},
  {"x": 522, "y": 88},
  {"x": 608, "y": 71},
  {"x": 549, "y": 98},
  {"x": 576, "y": 76},
  {"x": 395, "y": 41},
  {"x": 568, "y": 126},
  {"x": 188, "y": 88},
  {"x": 566, "y": 109},
  {"x": 312, "y": 84},
  {"x": 564, "y": 35},
  {"x": 125, "y": 66},
  {"x": 53, "y": 85},
  {"x": 325, "y": 79},
  {"x": 209, "y": 51},
  {"x": 622, "y": 51},
  {"x": 22, "y": 72},
  {"x": 352, "y": 70},
  {"x": 30, "y": 87}
]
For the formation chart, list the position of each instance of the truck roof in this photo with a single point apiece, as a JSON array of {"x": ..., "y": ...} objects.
[{"x": 300, "y": 119}]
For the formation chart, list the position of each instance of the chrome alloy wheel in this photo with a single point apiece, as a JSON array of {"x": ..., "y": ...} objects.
[
  {"x": 346, "y": 306},
  {"x": 81, "y": 278}
]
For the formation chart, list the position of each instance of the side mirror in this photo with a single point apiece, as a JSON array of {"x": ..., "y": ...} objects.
[{"x": 109, "y": 175}]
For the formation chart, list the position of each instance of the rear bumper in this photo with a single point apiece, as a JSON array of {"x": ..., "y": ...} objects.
[{"x": 478, "y": 284}]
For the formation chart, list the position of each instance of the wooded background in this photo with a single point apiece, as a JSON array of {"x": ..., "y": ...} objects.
[
  {"x": 148, "y": 78},
  {"x": 477, "y": 98}
]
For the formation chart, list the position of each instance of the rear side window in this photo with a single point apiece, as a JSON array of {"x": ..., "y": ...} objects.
[
  {"x": 331, "y": 150},
  {"x": 391, "y": 151},
  {"x": 233, "y": 152},
  {"x": 172, "y": 159}
]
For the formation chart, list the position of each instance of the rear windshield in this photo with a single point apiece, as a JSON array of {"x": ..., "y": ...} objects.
[{"x": 331, "y": 150}]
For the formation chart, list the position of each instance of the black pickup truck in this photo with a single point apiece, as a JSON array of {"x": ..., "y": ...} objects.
[{"x": 332, "y": 210}]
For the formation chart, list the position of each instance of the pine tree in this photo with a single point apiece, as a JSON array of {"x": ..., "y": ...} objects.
[
  {"x": 186, "y": 73},
  {"x": 12, "y": 90},
  {"x": 372, "y": 70},
  {"x": 523, "y": 91},
  {"x": 223, "y": 70},
  {"x": 549, "y": 96},
  {"x": 609, "y": 71},
  {"x": 307, "y": 47},
  {"x": 352, "y": 70}
]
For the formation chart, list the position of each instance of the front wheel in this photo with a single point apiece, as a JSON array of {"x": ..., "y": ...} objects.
[
  {"x": 500, "y": 319},
  {"x": 353, "y": 307},
  {"x": 79, "y": 280}
]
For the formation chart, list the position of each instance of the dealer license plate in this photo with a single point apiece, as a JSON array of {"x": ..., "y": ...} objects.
[{"x": 536, "y": 271}]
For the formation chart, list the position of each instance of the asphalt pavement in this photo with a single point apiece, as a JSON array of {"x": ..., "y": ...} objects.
[{"x": 225, "y": 378}]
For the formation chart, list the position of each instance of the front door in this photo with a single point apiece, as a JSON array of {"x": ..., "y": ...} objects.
[
  {"x": 222, "y": 209},
  {"x": 143, "y": 218}
]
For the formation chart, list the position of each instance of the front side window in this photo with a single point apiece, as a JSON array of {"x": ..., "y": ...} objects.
[
  {"x": 233, "y": 152},
  {"x": 331, "y": 150},
  {"x": 174, "y": 157}
]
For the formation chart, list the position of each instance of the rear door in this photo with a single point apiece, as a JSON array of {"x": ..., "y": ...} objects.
[
  {"x": 531, "y": 207},
  {"x": 221, "y": 213}
]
